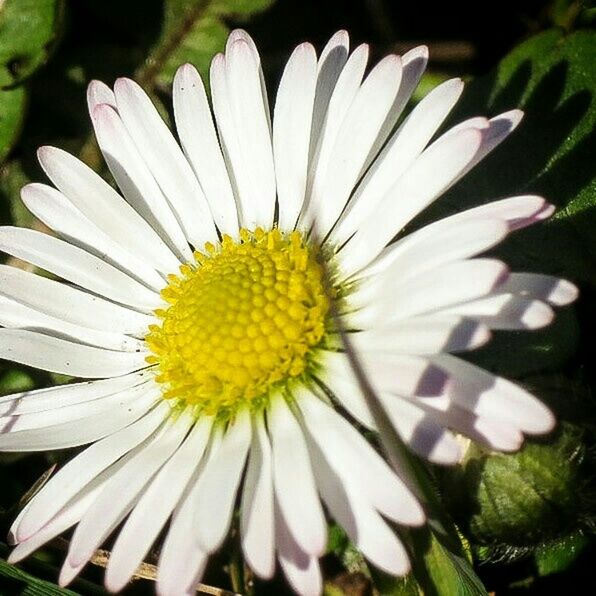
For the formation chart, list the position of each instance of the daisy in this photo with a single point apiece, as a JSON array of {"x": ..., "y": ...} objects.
[{"x": 197, "y": 303}]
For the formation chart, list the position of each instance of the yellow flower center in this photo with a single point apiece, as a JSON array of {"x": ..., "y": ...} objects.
[{"x": 242, "y": 319}]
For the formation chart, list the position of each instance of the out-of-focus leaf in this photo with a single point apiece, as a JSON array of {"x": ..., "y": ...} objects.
[
  {"x": 28, "y": 32},
  {"x": 12, "y": 179},
  {"x": 239, "y": 8},
  {"x": 12, "y": 108},
  {"x": 15, "y": 380},
  {"x": 563, "y": 13},
  {"x": 428, "y": 82},
  {"x": 557, "y": 557},
  {"x": 193, "y": 31}
]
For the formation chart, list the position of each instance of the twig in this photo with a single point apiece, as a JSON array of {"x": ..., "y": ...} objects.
[
  {"x": 146, "y": 74},
  {"x": 449, "y": 51},
  {"x": 149, "y": 571}
]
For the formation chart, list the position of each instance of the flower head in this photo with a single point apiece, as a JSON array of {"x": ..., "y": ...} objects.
[{"x": 208, "y": 302}]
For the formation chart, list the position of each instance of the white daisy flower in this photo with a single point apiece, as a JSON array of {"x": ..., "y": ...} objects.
[{"x": 197, "y": 303}]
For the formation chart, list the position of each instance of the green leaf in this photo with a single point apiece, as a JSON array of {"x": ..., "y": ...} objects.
[
  {"x": 557, "y": 557},
  {"x": 16, "y": 581},
  {"x": 193, "y": 31},
  {"x": 28, "y": 33},
  {"x": 12, "y": 108},
  {"x": 450, "y": 574},
  {"x": 552, "y": 78},
  {"x": 437, "y": 571}
]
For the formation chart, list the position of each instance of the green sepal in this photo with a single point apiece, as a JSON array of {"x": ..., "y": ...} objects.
[{"x": 519, "y": 501}]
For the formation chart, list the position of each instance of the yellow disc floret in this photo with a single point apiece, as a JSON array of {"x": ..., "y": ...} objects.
[{"x": 242, "y": 319}]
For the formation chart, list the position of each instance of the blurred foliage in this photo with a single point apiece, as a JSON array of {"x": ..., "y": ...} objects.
[
  {"x": 192, "y": 32},
  {"x": 528, "y": 517},
  {"x": 29, "y": 30},
  {"x": 12, "y": 107}
]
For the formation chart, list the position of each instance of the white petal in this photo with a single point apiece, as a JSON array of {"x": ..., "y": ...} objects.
[
  {"x": 425, "y": 335},
  {"x": 398, "y": 155},
  {"x": 14, "y": 423},
  {"x": 343, "y": 94},
  {"x": 329, "y": 67},
  {"x": 241, "y": 34},
  {"x": 154, "y": 507},
  {"x": 251, "y": 118},
  {"x": 65, "y": 357},
  {"x": 76, "y": 265},
  {"x": 166, "y": 161},
  {"x": 122, "y": 492},
  {"x": 218, "y": 485},
  {"x": 403, "y": 374},
  {"x": 59, "y": 214},
  {"x": 181, "y": 560},
  {"x": 238, "y": 171},
  {"x": 68, "y": 517},
  {"x": 82, "y": 470},
  {"x": 201, "y": 147},
  {"x": 355, "y": 138},
  {"x": 41, "y": 400},
  {"x": 493, "y": 433},
  {"x": 500, "y": 127},
  {"x": 435, "y": 290},
  {"x": 518, "y": 212},
  {"x": 505, "y": 311},
  {"x": 295, "y": 489},
  {"x": 135, "y": 180},
  {"x": 337, "y": 374},
  {"x": 181, "y": 570},
  {"x": 292, "y": 121},
  {"x": 14, "y": 314},
  {"x": 555, "y": 291},
  {"x": 494, "y": 397},
  {"x": 256, "y": 521},
  {"x": 365, "y": 527},
  {"x": 356, "y": 463},
  {"x": 96, "y": 486},
  {"x": 94, "y": 197},
  {"x": 70, "y": 304},
  {"x": 79, "y": 432},
  {"x": 97, "y": 93},
  {"x": 301, "y": 569},
  {"x": 413, "y": 66},
  {"x": 429, "y": 176},
  {"x": 437, "y": 244},
  {"x": 423, "y": 435}
]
